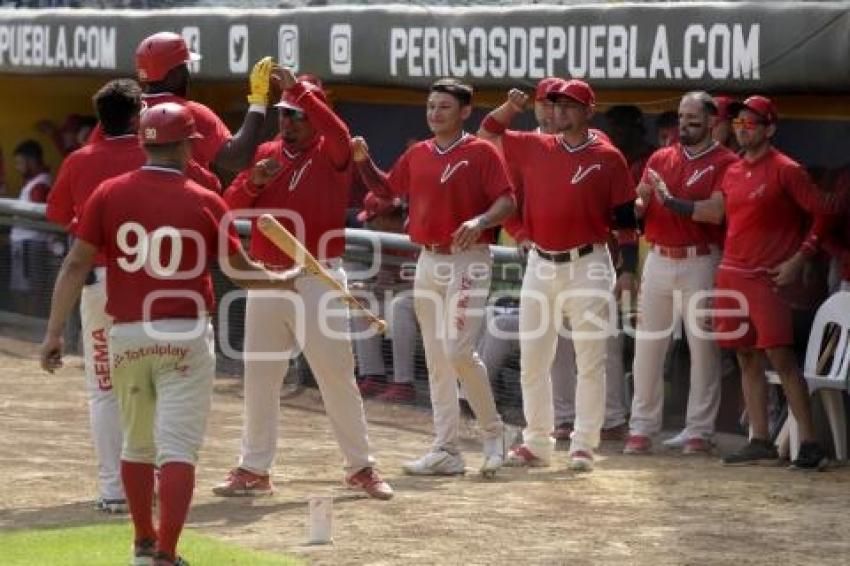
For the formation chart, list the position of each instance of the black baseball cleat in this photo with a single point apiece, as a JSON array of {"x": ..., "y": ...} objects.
[
  {"x": 811, "y": 457},
  {"x": 756, "y": 452}
]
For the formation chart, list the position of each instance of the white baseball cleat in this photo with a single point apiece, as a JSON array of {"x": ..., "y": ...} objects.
[
  {"x": 436, "y": 463},
  {"x": 494, "y": 456},
  {"x": 677, "y": 441}
]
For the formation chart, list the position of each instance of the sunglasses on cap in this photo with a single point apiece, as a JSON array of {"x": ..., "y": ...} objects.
[
  {"x": 292, "y": 114},
  {"x": 747, "y": 124}
]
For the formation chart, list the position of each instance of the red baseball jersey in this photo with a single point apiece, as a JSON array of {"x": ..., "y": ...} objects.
[
  {"x": 568, "y": 193},
  {"x": 83, "y": 170},
  {"x": 158, "y": 230},
  {"x": 312, "y": 187},
  {"x": 208, "y": 124},
  {"x": 688, "y": 177},
  {"x": 768, "y": 208},
  {"x": 446, "y": 187}
]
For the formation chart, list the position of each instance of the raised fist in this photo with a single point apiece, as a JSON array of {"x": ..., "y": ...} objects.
[{"x": 264, "y": 171}]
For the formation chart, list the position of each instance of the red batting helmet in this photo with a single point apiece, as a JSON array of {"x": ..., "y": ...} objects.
[
  {"x": 166, "y": 123},
  {"x": 159, "y": 53}
]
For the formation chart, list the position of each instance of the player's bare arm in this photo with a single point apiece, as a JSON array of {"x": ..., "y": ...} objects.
[
  {"x": 237, "y": 152},
  {"x": 494, "y": 124},
  {"x": 69, "y": 284},
  {"x": 470, "y": 231},
  {"x": 710, "y": 210}
]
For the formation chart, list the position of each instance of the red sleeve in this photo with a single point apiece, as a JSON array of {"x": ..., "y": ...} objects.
[
  {"x": 495, "y": 175},
  {"x": 203, "y": 177},
  {"x": 399, "y": 179},
  {"x": 215, "y": 133},
  {"x": 822, "y": 227},
  {"x": 798, "y": 184},
  {"x": 622, "y": 184},
  {"x": 90, "y": 225},
  {"x": 39, "y": 192},
  {"x": 60, "y": 201},
  {"x": 327, "y": 123},
  {"x": 215, "y": 211},
  {"x": 514, "y": 148},
  {"x": 242, "y": 192},
  {"x": 372, "y": 178}
]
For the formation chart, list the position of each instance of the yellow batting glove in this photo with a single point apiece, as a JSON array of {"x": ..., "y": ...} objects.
[{"x": 260, "y": 77}]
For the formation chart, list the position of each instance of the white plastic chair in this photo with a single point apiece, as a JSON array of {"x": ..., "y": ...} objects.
[{"x": 832, "y": 383}]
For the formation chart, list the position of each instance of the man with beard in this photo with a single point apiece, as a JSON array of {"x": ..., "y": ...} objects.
[{"x": 685, "y": 239}]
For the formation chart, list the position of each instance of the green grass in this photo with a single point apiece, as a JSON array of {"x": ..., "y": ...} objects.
[{"x": 109, "y": 545}]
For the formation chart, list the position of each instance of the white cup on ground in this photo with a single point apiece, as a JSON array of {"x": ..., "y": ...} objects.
[{"x": 320, "y": 519}]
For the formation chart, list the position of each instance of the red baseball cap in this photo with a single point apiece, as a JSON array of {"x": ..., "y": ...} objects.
[
  {"x": 723, "y": 102},
  {"x": 166, "y": 123},
  {"x": 576, "y": 89},
  {"x": 159, "y": 53},
  {"x": 758, "y": 104},
  {"x": 546, "y": 85},
  {"x": 288, "y": 99},
  {"x": 373, "y": 206}
]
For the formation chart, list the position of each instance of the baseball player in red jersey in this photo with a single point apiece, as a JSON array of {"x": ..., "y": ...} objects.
[
  {"x": 680, "y": 268},
  {"x": 161, "y": 64},
  {"x": 117, "y": 105},
  {"x": 767, "y": 198},
  {"x": 157, "y": 230},
  {"x": 465, "y": 179},
  {"x": 576, "y": 188},
  {"x": 306, "y": 172}
]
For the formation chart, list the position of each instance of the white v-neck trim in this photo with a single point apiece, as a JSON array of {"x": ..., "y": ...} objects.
[
  {"x": 703, "y": 153},
  {"x": 591, "y": 137},
  {"x": 454, "y": 144},
  {"x": 162, "y": 169}
]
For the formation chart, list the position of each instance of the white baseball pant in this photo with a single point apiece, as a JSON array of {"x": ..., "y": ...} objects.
[
  {"x": 579, "y": 291},
  {"x": 495, "y": 351},
  {"x": 450, "y": 294},
  {"x": 164, "y": 385},
  {"x": 104, "y": 415},
  {"x": 276, "y": 323},
  {"x": 667, "y": 295},
  {"x": 402, "y": 330}
]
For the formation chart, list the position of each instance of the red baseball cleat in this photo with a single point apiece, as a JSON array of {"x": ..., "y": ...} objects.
[{"x": 369, "y": 481}]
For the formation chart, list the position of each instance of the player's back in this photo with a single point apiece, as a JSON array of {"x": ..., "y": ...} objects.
[
  {"x": 95, "y": 163},
  {"x": 158, "y": 230}
]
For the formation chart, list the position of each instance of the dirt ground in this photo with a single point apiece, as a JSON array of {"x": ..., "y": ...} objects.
[{"x": 665, "y": 509}]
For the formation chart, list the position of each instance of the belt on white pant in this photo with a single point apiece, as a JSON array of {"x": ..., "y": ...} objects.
[{"x": 566, "y": 256}]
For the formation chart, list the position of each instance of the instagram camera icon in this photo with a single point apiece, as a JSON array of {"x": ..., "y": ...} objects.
[{"x": 341, "y": 49}]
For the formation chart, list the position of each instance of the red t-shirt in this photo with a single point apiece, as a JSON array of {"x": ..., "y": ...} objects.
[
  {"x": 137, "y": 220},
  {"x": 447, "y": 187},
  {"x": 768, "y": 207},
  {"x": 689, "y": 177},
  {"x": 568, "y": 193},
  {"x": 312, "y": 187},
  {"x": 208, "y": 124}
]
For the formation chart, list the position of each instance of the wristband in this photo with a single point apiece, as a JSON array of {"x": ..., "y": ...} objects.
[
  {"x": 260, "y": 108},
  {"x": 493, "y": 126},
  {"x": 680, "y": 206}
]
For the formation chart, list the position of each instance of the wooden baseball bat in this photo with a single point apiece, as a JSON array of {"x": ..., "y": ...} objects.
[{"x": 289, "y": 244}]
